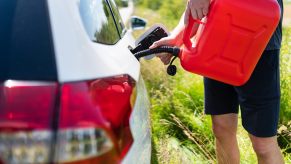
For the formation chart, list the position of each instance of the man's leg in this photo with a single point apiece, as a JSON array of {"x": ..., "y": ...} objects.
[
  {"x": 221, "y": 102},
  {"x": 224, "y": 129},
  {"x": 267, "y": 150},
  {"x": 259, "y": 100}
]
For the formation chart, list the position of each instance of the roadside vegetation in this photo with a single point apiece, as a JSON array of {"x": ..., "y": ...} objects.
[
  {"x": 118, "y": 3},
  {"x": 180, "y": 130}
]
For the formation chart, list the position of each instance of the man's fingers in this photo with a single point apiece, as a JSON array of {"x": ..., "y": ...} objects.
[
  {"x": 159, "y": 43},
  {"x": 196, "y": 9},
  {"x": 167, "y": 62},
  {"x": 200, "y": 13},
  {"x": 165, "y": 58},
  {"x": 194, "y": 14},
  {"x": 205, "y": 11},
  {"x": 155, "y": 44},
  {"x": 161, "y": 55},
  {"x": 193, "y": 9},
  {"x": 187, "y": 14}
]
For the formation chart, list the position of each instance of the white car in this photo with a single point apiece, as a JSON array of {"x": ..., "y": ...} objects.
[{"x": 70, "y": 90}]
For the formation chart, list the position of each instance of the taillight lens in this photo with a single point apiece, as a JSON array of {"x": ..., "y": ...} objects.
[
  {"x": 89, "y": 119},
  {"x": 26, "y": 112},
  {"x": 94, "y": 120},
  {"x": 25, "y": 146},
  {"x": 82, "y": 144}
]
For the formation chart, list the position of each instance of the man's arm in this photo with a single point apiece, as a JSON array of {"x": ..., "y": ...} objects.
[
  {"x": 179, "y": 30},
  {"x": 198, "y": 9},
  {"x": 195, "y": 8}
]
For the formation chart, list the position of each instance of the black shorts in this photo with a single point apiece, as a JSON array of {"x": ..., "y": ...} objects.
[{"x": 259, "y": 98}]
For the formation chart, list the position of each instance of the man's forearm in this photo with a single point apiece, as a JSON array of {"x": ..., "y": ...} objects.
[
  {"x": 178, "y": 31},
  {"x": 180, "y": 27}
]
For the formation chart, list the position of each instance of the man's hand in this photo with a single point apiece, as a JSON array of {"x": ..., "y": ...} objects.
[
  {"x": 197, "y": 8},
  {"x": 167, "y": 41}
]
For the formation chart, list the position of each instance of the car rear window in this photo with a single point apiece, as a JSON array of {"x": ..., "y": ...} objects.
[
  {"x": 98, "y": 21},
  {"x": 26, "y": 50}
]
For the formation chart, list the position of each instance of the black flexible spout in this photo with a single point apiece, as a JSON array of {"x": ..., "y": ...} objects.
[
  {"x": 175, "y": 51},
  {"x": 163, "y": 49}
]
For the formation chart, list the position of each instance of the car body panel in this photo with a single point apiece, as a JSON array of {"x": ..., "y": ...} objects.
[
  {"x": 140, "y": 127},
  {"x": 73, "y": 57},
  {"x": 80, "y": 58}
]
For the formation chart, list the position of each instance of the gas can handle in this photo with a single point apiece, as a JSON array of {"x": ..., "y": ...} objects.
[{"x": 188, "y": 31}]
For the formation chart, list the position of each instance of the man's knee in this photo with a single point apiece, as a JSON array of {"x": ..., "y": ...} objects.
[
  {"x": 224, "y": 126},
  {"x": 263, "y": 146},
  {"x": 221, "y": 131}
]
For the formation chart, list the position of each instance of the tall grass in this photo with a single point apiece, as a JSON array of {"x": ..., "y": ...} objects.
[
  {"x": 181, "y": 132},
  {"x": 284, "y": 131},
  {"x": 177, "y": 116},
  {"x": 285, "y": 67}
]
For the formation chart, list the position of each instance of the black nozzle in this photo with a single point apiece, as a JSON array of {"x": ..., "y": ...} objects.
[{"x": 172, "y": 70}]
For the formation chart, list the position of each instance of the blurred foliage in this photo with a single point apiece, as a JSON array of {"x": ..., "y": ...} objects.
[
  {"x": 284, "y": 132},
  {"x": 285, "y": 66},
  {"x": 169, "y": 9},
  {"x": 151, "y": 4},
  {"x": 172, "y": 10}
]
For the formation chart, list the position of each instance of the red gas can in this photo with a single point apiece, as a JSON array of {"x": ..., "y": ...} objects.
[{"x": 230, "y": 43}]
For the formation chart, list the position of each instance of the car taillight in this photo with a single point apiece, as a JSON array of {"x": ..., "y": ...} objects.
[
  {"x": 26, "y": 110},
  {"x": 83, "y": 145},
  {"x": 25, "y": 146},
  {"x": 89, "y": 119},
  {"x": 94, "y": 120}
]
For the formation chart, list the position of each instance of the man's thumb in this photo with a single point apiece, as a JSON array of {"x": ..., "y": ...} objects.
[{"x": 157, "y": 44}]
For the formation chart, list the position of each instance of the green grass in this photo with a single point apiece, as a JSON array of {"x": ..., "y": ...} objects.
[{"x": 181, "y": 132}]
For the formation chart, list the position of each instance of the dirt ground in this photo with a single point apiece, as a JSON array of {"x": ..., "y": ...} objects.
[{"x": 287, "y": 15}]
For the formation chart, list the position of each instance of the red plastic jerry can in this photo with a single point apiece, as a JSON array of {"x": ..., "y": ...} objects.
[{"x": 230, "y": 42}]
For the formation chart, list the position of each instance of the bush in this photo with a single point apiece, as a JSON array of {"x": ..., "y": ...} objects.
[{"x": 284, "y": 132}]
